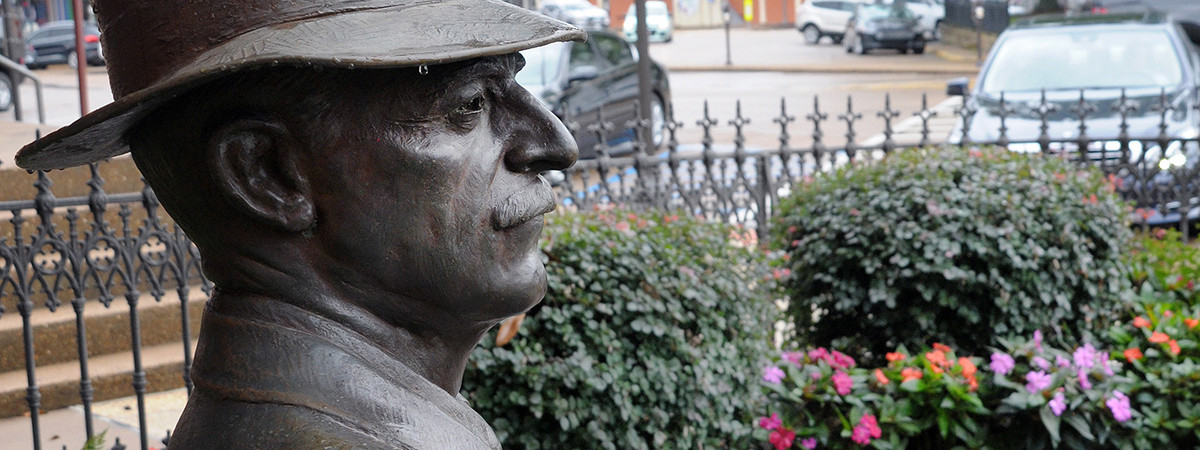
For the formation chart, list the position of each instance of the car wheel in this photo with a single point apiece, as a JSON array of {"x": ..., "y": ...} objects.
[
  {"x": 919, "y": 50},
  {"x": 812, "y": 34},
  {"x": 73, "y": 60},
  {"x": 658, "y": 123},
  {"x": 903, "y": 51},
  {"x": 6, "y": 92},
  {"x": 917, "y": 46},
  {"x": 836, "y": 39}
]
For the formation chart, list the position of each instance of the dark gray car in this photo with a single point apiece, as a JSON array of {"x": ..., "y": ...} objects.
[
  {"x": 54, "y": 43},
  {"x": 579, "y": 80}
]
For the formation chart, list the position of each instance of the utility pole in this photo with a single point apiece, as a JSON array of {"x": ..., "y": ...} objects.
[{"x": 644, "y": 95}]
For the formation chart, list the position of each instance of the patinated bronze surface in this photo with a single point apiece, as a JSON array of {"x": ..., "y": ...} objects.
[{"x": 364, "y": 226}]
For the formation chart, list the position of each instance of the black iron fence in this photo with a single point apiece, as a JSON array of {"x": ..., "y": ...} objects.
[{"x": 100, "y": 248}]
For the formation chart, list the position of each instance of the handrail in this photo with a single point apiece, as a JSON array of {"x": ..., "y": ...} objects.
[{"x": 37, "y": 85}]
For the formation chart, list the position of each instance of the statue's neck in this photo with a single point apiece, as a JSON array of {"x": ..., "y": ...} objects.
[{"x": 433, "y": 357}]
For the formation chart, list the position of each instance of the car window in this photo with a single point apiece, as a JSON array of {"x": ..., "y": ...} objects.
[
  {"x": 582, "y": 55},
  {"x": 541, "y": 64},
  {"x": 827, "y": 5},
  {"x": 1083, "y": 59},
  {"x": 880, "y": 11},
  {"x": 849, "y": 6},
  {"x": 614, "y": 49}
]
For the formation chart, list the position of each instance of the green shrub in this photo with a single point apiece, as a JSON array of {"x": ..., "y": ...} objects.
[
  {"x": 1163, "y": 262},
  {"x": 643, "y": 340},
  {"x": 956, "y": 246}
]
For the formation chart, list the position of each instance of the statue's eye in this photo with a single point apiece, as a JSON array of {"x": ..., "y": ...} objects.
[{"x": 472, "y": 106}]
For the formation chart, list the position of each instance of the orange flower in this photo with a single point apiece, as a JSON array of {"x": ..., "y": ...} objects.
[
  {"x": 972, "y": 383},
  {"x": 895, "y": 356},
  {"x": 968, "y": 367},
  {"x": 1191, "y": 323},
  {"x": 1141, "y": 322},
  {"x": 1174, "y": 347},
  {"x": 880, "y": 377},
  {"x": 942, "y": 347},
  {"x": 1133, "y": 354},
  {"x": 1159, "y": 337},
  {"x": 935, "y": 369},
  {"x": 910, "y": 373},
  {"x": 937, "y": 358}
]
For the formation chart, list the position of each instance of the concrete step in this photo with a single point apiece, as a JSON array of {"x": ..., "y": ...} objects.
[
  {"x": 111, "y": 375},
  {"x": 108, "y": 329}
]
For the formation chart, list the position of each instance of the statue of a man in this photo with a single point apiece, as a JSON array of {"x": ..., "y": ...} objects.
[{"x": 362, "y": 180}]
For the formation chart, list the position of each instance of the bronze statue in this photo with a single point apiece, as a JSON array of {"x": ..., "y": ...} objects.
[{"x": 362, "y": 180}]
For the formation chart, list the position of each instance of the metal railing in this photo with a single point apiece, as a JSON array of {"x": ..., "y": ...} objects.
[
  {"x": 75, "y": 254},
  {"x": 14, "y": 67}
]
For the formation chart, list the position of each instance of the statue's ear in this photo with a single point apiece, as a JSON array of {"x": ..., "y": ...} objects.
[{"x": 254, "y": 163}]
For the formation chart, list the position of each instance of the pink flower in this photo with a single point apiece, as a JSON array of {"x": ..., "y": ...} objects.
[
  {"x": 842, "y": 382},
  {"x": 1085, "y": 356},
  {"x": 1119, "y": 405},
  {"x": 1037, "y": 340},
  {"x": 1002, "y": 363},
  {"x": 866, "y": 429},
  {"x": 773, "y": 375},
  {"x": 1041, "y": 362},
  {"x": 1061, "y": 362},
  {"x": 817, "y": 353},
  {"x": 782, "y": 438},
  {"x": 1037, "y": 381},
  {"x": 1058, "y": 404},
  {"x": 770, "y": 423},
  {"x": 841, "y": 360},
  {"x": 809, "y": 443},
  {"x": 793, "y": 357},
  {"x": 1084, "y": 382}
]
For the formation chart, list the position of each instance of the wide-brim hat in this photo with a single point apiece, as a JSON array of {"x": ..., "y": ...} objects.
[{"x": 159, "y": 50}]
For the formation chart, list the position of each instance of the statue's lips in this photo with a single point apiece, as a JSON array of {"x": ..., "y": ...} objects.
[{"x": 524, "y": 206}]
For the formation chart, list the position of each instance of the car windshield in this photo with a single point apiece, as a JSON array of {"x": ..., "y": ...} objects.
[
  {"x": 576, "y": 6},
  {"x": 541, "y": 64},
  {"x": 1083, "y": 59},
  {"x": 880, "y": 11}
]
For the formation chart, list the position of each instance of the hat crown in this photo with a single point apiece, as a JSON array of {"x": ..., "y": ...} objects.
[{"x": 144, "y": 42}]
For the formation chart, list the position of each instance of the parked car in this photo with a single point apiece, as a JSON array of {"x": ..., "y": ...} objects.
[
  {"x": 575, "y": 80},
  {"x": 54, "y": 43},
  {"x": 658, "y": 22},
  {"x": 930, "y": 14},
  {"x": 1099, "y": 58},
  {"x": 577, "y": 12},
  {"x": 884, "y": 26},
  {"x": 820, "y": 18}
]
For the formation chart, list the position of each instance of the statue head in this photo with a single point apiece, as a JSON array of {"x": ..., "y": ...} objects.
[{"x": 379, "y": 148}]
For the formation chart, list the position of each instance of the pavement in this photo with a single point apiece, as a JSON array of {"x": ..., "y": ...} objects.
[{"x": 774, "y": 50}]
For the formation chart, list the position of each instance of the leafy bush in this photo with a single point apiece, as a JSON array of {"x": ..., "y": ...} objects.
[
  {"x": 1163, "y": 262},
  {"x": 941, "y": 243},
  {"x": 642, "y": 341}
]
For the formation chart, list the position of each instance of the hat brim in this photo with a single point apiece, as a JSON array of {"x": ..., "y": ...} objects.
[{"x": 434, "y": 32}]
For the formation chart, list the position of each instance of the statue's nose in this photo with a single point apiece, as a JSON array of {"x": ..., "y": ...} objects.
[{"x": 537, "y": 140}]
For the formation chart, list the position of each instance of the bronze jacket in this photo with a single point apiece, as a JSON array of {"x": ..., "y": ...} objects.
[{"x": 278, "y": 377}]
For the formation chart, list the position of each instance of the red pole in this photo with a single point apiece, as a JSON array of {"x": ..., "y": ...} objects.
[{"x": 81, "y": 57}]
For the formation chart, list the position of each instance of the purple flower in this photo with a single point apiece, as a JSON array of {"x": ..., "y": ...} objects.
[
  {"x": 1085, "y": 357},
  {"x": 1037, "y": 381},
  {"x": 842, "y": 382},
  {"x": 1058, "y": 404},
  {"x": 1041, "y": 362},
  {"x": 770, "y": 423},
  {"x": 1084, "y": 382},
  {"x": 793, "y": 357},
  {"x": 1062, "y": 362},
  {"x": 773, "y": 375},
  {"x": 1002, "y": 363},
  {"x": 809, "y": 443},
  {"x": 1037, "y": 340},
  {"x": 1119, "y": 405},
  {"x": 1103, "y": 357}
]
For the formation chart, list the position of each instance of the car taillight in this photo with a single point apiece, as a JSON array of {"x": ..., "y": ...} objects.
[
  {"x": 91, "y": 38},
  {"x": 1099, "y": 10}
]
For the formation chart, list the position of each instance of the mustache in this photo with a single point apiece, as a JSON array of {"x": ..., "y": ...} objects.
[{"x": 524, "y": 206}]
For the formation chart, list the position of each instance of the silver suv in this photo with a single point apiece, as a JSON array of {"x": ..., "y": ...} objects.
[{"x": 820, "y": 18}]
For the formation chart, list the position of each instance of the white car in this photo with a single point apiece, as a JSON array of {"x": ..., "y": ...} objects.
[
  {"x": 577, "y": 12},
  {"x": 819, "y": 18},
  {"x": 930, "y": 14},
  {"x": 658, "y": 22}
]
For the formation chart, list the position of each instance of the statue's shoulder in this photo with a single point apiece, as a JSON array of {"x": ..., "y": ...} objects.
[{"x": 222, "y": 423}]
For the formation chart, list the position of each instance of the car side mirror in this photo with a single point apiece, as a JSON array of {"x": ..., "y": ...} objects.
[
  {"x": 583, "y": 73},
  {"x": 957, "y": 86}
]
